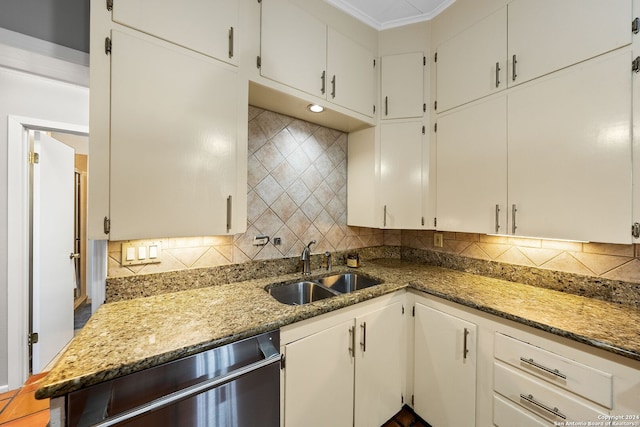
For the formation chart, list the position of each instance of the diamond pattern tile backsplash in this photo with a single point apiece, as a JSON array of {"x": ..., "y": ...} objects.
[{"x": 296, "y": 191}]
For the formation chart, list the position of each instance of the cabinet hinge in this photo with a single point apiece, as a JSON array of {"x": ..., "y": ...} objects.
[
  {"x": 402, "y": 399},
  {"x": 413, "y": 311},
  {"x": 635, "y": 64},
  {"x": 107, "y": 46},
  {"x": 435, "y": 222},
  {"x": 422, "y": 221},
  {"x": 423, "y": 130},
  {"x": 412, "y": 400},
  {"x": 32, "y": 339},
  {"x": 282, "y": 361},
  {"x": 109, "y": 5},
  {"x": 435, "y": 105},
  {"x": 424, "y": 61},
  {"x": 107, "y": 225},
  {"x": 635, "y": 229},
  {"x": 374, "y": 108},
  {"x": 34, "y": 158},
  {"x": 635, "y": 26},
  {"x": 258, "y": 62},
  {"x": 435, "y": 57},
  {"x": 374, "y": 63},
  {"x": 403, "y": 309},
  {"x": 424, "y": 107},
  {"x": 435, "y": 127}
]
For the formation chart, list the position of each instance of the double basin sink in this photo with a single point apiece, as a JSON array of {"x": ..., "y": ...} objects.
[{"x": 306, "y": 291}]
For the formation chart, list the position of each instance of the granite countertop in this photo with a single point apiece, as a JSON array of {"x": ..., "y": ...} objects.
[{"x": 128, "y": 336}]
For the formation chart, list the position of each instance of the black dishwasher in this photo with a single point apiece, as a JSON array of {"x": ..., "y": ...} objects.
[{"x": 235, "y": 385}]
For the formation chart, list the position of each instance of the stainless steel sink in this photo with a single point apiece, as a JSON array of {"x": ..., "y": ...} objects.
[
  {"x": 348, "y": 282},
  {"x": 304, "y": 292},
  {"x": 299, "y": 293}
]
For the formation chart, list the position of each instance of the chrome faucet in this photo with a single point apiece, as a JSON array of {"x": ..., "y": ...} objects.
[{"x": 306, "y": 258}]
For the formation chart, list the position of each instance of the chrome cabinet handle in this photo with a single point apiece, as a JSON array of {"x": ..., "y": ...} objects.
[
  {"x": 497, "y": 74},
  {"x": 555, "y": 372},
  {"x": 386, "y": 105},
  {"x": 323, "y": 77},
  {"x": 497, "y": 219},
  {"x": 229, "y": 207},
  {"x": 352, "y": 341},
  {"x": 333, "y": 86},
  {"x": 513, "y": 217},
  {"x": 363, "y": 343},
  {"x": 513, "y": 68},
  {"x": 384, "y": 216},
  {"x": 465, "y": 349},
  {"x": 231, "y": 42},
  {"x": 555, "y": 411}
]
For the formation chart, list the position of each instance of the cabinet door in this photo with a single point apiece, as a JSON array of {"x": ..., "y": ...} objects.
[
  {"x": 445, "y": 377},
  {"x": 206, "y": 26},
  {"x": 546, "y": 35},
  {"x": 402, "y": 86},
  {"x": 472, "y": 168},
  {"x": 401, "y": 146},
  {"x": 350, "y": 74},
  {"x": 379, "y": 366},
  {"x": 473, "y": 64},
  {"x": 174, "y": 121},
  {"x": 362, "y": 188},
  {"x": 293, "y": 47},
  {"x": 318, "y": 379},
  {"x": 569, "y": 153}
]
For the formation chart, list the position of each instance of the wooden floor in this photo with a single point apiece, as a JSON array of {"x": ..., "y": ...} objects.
[{"x": 20, "y": 408}]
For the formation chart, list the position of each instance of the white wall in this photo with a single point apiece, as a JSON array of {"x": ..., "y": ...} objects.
[{"x": 40, "y": 98}]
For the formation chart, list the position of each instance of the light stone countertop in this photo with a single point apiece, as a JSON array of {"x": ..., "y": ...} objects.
[{"x": 129, "y": 336}]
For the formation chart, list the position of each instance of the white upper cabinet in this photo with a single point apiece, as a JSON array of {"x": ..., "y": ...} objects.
[
  {"x": 547, "y": 35},
  {"x": 402, "y": 83},
  {"x": 293, "y": 47},
  {"x": 351, "y": 74},
  {"x": 472, "y": 168},
  {"x": 174, "y": 132},
  {"x": 473, "y": 64},
  {"x": 206, "y": 26},
  {"x": 401, "y": 167},
  {"x": 300, "y": 51},
  {"x": 570, "y": 153}
]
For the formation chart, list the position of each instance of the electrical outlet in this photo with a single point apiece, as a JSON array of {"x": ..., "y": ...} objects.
[{"x": 438, "y": 240}]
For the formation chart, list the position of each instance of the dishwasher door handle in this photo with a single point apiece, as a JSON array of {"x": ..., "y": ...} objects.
[{"x": 266, "y": 347}]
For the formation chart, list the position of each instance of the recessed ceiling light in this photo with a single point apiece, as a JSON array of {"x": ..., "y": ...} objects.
[{"x": 315, "y": 108}]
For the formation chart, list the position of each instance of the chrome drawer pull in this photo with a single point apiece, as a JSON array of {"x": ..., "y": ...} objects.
[
  {"x": 529, "y": 398},
  {"x": 544, "y": 368}
]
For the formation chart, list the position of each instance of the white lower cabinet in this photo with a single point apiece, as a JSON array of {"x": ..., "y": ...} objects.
[
  {"x": 444, "y": 368},
  {"x": 345, "y": 368}
]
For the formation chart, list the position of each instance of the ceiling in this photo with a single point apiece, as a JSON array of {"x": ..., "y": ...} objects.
[{"x": 383, "y": 14}]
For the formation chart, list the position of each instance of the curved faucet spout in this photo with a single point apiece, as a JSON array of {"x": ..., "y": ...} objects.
[{"x": 305, "y": 257}]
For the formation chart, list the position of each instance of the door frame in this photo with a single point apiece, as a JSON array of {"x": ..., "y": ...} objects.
[{"x": 18, "y": 239}]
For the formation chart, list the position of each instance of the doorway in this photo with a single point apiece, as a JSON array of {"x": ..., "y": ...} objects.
[
  {"x": 57, "y": 175},
  {"x": 21, "y": 256}
]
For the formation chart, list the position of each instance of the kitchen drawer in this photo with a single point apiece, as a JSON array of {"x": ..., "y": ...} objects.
[
  {"x": 507, "y": 414},
  {"x": 583, "y": 380},
  {"x": 541, "y": 398}
]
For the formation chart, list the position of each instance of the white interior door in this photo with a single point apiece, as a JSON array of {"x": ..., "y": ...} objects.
[{"x": 53, "y": 269}]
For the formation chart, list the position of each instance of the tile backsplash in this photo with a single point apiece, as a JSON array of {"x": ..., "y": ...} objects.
[
  {"x": 297, "y": 191},
  {"x": 297, "y": 176}
]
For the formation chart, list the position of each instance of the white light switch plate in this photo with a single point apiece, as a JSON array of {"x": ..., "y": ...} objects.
[{"x": 138, "y": 252}]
